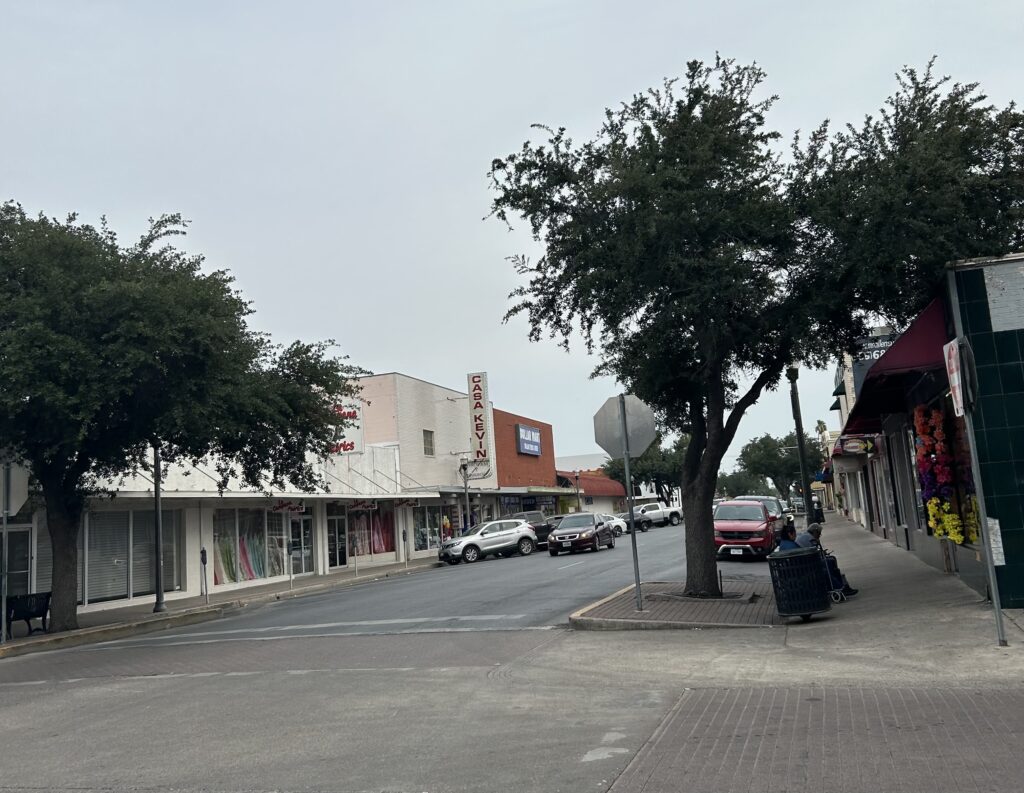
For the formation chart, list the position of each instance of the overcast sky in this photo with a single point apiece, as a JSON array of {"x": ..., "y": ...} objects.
[{"x": 332, "y": 155}]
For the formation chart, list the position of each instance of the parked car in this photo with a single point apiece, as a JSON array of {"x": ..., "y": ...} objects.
[
  {"x": 624, "y": 517},
  {"x": 617, "y": 525},
  {"x": 776, "y": 510},
  {"x": 541, "y": 525},
  {"x": 494, "y": 538},
  {"x": 656, "y": 513},
  {"x": 743, "y": 529},
  {"x": 580, "y": 531}
]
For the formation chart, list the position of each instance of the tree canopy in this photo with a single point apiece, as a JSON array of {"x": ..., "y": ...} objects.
[
  {"x": 660, "y": 466},
  {"x": 740, "y": 483},
  {"x": 936, "y": 175},
  {"x": 699, "y": 265},
  {"x": 107, "y": 351},
  {"x": 669, "y": 240},
  {"x": 778, "y": 459}
]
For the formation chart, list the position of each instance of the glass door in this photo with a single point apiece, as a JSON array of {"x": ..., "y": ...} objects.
[
  {"x": 18, "y": 562},
  {"x": 337, "y": 541},
  {"x": 302, "y": 544}
]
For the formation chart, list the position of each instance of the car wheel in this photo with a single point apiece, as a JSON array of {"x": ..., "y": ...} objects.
[
  {"x": 597, "y": 544},
  {"x": 618, "y": 532},
  {"x": 645, "y": 525},
  {"x": 470, "y": 554},
  {"x": 553, "y": 552},
  {"x": 526, "y": 546},
  {"x": 674, "y": 520},
  {"x": 611, "y": 542}
]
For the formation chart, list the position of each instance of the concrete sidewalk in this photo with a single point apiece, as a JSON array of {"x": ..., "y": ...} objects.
[
  {"x": 115, "y": 623},
  {"x": 897, "y": 590}
]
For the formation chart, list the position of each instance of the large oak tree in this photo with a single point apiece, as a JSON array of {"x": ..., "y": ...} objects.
[
  {"x": 108, "y": 351},
  {"x": 670, "y": 242}
]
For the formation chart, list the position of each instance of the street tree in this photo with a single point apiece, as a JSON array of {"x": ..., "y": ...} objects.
[
  {"x": 660, "y": 466},
  {"x": 107, "y": 352},
  {"x": 740, "y": 483},
  {"x": 778, "y": 459},
  {"x": 936, "y": 175},
  {"x": 669, "y": 241}
]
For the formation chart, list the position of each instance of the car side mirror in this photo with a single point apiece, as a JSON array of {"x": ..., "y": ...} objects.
[{"x": 600, "y": 523}]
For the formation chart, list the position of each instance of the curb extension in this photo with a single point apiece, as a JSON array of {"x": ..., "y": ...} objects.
[
  {"x": 196, "y": 614},
  {"x": 579, "y": 621}
]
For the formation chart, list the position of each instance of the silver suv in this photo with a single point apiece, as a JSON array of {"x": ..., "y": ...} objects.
[{"x": 497, "y": 538}]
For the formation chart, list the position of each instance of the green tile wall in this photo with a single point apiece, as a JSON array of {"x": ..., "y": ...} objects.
[{"x": 999, "y": 426}]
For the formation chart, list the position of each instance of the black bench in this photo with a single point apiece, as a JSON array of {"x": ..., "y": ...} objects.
[{"x": 28, "y": 608}]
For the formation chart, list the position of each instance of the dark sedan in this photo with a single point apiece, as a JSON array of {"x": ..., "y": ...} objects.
[{"x": 580, "y": 531}]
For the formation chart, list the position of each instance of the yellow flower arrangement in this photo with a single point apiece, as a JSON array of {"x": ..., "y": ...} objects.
[
  {"x": 935, "y": 515},
  {"x": 952, "y": 526}
]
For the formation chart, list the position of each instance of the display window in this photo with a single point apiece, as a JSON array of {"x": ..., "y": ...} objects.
[
  {"x": 427, "y": 527},
  {"x": 372, "y": 531},
  {"x": 248, "y": 544}
]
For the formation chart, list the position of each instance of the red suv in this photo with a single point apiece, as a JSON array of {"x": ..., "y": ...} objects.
[{"x": 743, "y": 529}]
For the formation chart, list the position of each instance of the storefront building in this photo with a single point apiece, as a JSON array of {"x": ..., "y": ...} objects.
[
  {"x": 398, "y": 486},
  {"x": 912, "y": 482}
]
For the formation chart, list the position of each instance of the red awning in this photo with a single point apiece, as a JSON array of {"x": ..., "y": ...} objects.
[
  {"x": 917, "y": 351},
  {"x": 919, "y": 348}
]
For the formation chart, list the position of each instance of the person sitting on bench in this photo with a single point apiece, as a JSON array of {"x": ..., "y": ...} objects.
[{"x": 812, "y": 539}]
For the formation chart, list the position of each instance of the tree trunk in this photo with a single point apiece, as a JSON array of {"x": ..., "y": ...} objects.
[
  {"x": 701, "y": 554},
  {"x": 64, "y": 525}
]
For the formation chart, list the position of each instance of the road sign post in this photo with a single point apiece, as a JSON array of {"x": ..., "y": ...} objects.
[{"x": 624, "y": 426}]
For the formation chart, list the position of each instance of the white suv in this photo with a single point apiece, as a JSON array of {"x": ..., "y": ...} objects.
[{"x": 497, "y": 538}]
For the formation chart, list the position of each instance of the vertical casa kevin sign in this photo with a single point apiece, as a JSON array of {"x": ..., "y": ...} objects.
[{"x": 479, "y": 417}]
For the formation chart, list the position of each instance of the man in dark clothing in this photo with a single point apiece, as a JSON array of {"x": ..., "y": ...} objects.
[{"x": 812, "y": 539}]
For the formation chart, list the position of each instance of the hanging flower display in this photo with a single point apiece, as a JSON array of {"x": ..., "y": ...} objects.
[{"x": 938, "y": 473}]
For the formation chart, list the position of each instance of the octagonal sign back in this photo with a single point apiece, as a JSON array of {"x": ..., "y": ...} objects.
[{"x": 639, "y": 425}]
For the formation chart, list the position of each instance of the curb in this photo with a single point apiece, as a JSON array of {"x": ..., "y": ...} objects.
[
  {"x": 579, "y": 621},
  {"x": 191, "y": 616},
  {"x": 103, "y": 633}
]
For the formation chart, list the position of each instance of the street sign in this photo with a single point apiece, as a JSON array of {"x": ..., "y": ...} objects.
[
  {"x": 951, "y": 352},
  {"x": 13, "y": 488},
  {"x": 639, "y": 424}
]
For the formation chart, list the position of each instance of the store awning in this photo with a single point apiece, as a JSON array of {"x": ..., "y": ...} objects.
[
  {"x": 915, "y": 353},
  {"x": 835, "y": 405},
  {"x": 839, "y": 389}
]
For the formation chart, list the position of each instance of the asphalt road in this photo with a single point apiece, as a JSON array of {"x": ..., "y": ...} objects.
[{"x": 465, "y": 680}]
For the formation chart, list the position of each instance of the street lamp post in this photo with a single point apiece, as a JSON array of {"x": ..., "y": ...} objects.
[
  {"x": 579, "y": 507},
  {"x": 791, "y": 375},
  {"x": 464, "y": 468}
]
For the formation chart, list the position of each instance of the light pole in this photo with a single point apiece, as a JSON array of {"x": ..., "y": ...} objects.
[
  {"x": 791, "y": 375},
  {"x": 464, "y": 468},
  {"x": 579, "y": 507}
]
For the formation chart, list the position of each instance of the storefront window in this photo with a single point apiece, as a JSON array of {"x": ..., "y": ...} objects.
[
  {"x": 275, "y": 544},
  {"x": 426, "y": 527},
  {"x": 252, "y": 545},
  {"x": 143, "y": 546},
  {"x": 224, "y": 537},
  {"x": 372, "y": 531}
]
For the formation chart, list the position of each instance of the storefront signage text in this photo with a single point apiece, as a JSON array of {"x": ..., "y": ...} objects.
[
  {"x": 351, "y": 436},
  {"x": 362, "y": 504},
  {"x": 857, "y": 445},
  {"x": 527, "y": 440},
  {"x": 479, "y": 417},
  {"x": 289, "y": 506}
]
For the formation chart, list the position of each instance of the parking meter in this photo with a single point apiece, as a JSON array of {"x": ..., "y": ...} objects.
[{"x": 205, "y": 583}]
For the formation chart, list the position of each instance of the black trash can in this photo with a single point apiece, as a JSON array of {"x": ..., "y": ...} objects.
[{"x": 800, "y": 581}]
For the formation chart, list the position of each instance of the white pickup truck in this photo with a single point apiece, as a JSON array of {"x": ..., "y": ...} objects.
[{"x": 655, "y": 513}]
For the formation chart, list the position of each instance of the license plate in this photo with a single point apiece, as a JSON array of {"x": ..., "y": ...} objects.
[
  {"x": 566, "y": 544},
  {"x": 736, "y": 551}
]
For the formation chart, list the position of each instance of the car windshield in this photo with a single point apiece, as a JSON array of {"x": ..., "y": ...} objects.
[
  {"x": 576, "y": 521},
  {"x": 738, "y": 512},
  {"x": 475, "y": 529}
]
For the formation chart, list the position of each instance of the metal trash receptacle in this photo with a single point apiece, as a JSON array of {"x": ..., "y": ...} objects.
[{"x": 800, "y": 581}]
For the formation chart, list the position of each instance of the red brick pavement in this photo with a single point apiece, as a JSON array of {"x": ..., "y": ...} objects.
[{"x": 665, "y": 607}]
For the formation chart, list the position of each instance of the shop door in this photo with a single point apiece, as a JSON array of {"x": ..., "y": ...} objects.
[
  {"x": 302, "y": 544},
  {"x": 337, "y": 541},
  {"x": 18, "y": 562}
]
